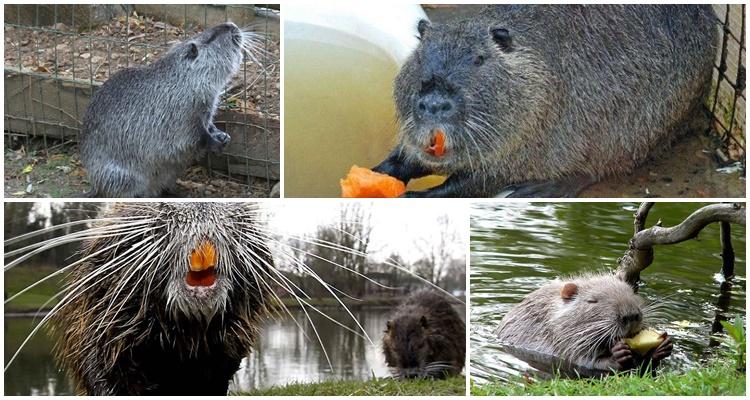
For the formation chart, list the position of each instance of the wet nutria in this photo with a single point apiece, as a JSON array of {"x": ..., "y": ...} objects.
[
  {"x": 169, "y": 302},
  {"x": 547, "y": 99},
  {"x": 145, "y": 125},
  {"x": 425, "y": 337},
  {"x": 582, "y": 321}
]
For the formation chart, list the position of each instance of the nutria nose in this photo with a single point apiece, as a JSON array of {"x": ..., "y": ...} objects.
[
  {"x": 435, "y": 106},
  {"x": 636, "y": 317}
]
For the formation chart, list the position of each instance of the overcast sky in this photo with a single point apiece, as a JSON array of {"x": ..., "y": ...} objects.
[{"x": 397, "y": 225}]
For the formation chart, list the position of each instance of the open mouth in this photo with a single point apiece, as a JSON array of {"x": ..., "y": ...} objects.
[{"x": 202, "y": 270}]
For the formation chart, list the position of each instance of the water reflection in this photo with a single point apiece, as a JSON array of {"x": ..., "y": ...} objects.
[
  {"x": 285, "y": 353},
  {"x": 516, "y": 248}
]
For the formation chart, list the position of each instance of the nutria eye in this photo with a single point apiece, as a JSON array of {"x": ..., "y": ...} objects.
[
  {"x": 591, "y": 301},
  {"x": 478, "y": 60}
]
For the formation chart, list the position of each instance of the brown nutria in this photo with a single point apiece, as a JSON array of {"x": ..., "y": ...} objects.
[
  {"x": 167, "y": 300},
  {"x": 582, "y": 320},
  {"x": 425, "y": 338},
  {"x": 544, "y": 100}
]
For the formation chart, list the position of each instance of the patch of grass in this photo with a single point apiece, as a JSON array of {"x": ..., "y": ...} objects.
[
  {"x": 455, "y": 386},
  {"x": 21, "y": 277},
  {"x": 717, "y": 378}
]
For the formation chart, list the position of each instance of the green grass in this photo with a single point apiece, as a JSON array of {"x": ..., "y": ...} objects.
[
  {"x": 20, "y": 277},
  {"x": 455, "y": 386},
  {"x": 718, "y": 378}
]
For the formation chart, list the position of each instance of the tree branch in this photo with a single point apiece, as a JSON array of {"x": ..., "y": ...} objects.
[{"x": 640, "y": 252}]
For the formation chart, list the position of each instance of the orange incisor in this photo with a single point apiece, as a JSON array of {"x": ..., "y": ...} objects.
[{"x": 203, "y": 257}]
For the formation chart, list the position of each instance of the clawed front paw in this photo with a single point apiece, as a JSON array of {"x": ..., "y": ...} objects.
[
  {"x": 663, "y": 351},
  {"x": 219, "y": 141},
  {"x": 622, "y": 356}
]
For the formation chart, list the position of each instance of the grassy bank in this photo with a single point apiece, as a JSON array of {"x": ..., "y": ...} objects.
[
  {"x": 717, "y": 378},
  {"x": 455, "y": 386}
]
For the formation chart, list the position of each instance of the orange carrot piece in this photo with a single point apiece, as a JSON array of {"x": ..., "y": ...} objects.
[{"x": 364, "y": 183}]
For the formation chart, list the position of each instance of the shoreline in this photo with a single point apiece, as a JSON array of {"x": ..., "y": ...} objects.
[{"x": 325, "y": 302}]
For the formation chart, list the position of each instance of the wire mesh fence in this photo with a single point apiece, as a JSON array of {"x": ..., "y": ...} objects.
[
  {"x": 56, "y": 56},
  {"x": 727, "y": 100}
]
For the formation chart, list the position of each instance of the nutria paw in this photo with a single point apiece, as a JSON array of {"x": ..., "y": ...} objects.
[
  {"x": 400, "y": 168},
  {"x": 219, "y": 139},
  {"x": 622, "y": 356},
  {"x": 663, "y": 351}
]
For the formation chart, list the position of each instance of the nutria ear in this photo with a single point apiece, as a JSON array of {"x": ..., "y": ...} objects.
[
  {"x": 568, "y": 291},
  {"x": 388, "y": 325},
  {"x": 502, "y": 37},
  {"x": 192, "y": 51},
  {"x": 422, "y": 26},
  {"x": 423, "y": 322}
]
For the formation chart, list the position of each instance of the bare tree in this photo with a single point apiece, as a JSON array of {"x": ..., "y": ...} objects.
[
  {"x": 640, "y": 251},
  {"x": 436, "y": 251}
]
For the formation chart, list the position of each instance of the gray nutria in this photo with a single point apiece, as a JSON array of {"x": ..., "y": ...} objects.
[
  {"x": 547, "y": 99},
  {"x": 583, "y": 321},
  {"x": 425, "y": 338},
  {"x": 170, "y": 300},
  {"x": 145, "y": 125}
]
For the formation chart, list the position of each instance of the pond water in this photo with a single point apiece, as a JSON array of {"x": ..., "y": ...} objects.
[
  {"x": 516, "y": 248},
  {"x": 283, "y": 354}
]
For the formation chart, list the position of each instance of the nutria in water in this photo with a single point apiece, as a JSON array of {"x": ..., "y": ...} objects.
[
  {"x": 425, "y": 337},
  {"x": 582, "y": 320},
  {"x": 547, "y": 99}
]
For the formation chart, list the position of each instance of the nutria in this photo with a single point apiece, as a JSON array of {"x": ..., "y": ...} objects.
[
  {"x": 146, "y": 124},
  {"x": 425, "y": 338},
  {"x": 582, "y": 320},
  {"x": 169, "y": 302},
  {"x": 545, "y": 100}
]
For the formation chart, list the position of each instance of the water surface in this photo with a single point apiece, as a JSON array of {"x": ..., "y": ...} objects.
[{"x": 284, "y": 353}]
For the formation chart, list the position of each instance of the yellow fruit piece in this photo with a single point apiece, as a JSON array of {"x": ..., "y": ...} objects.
[{"x": 645, "y": 340}]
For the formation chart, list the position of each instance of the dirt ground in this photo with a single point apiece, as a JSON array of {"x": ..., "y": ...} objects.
[
  {"x": 688, "y": 169},
  {"x": 31, "y": 171}
]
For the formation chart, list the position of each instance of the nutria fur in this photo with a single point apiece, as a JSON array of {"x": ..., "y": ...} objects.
[
  {"x": 547, "y": 99},
  {"x": 425, "y": 337},
  {"x": 139, "y": 327},
  {"x": 581, "y": 320},
  {"x": 146, "y": 124}
]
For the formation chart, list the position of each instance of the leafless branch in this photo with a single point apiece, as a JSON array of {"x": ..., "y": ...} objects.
[{"x": 640, "y": 252}]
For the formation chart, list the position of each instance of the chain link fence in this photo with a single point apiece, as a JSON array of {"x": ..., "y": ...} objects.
[
  {"x": 727, "y": 100},
  {"x": 56, "y": 56}
]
